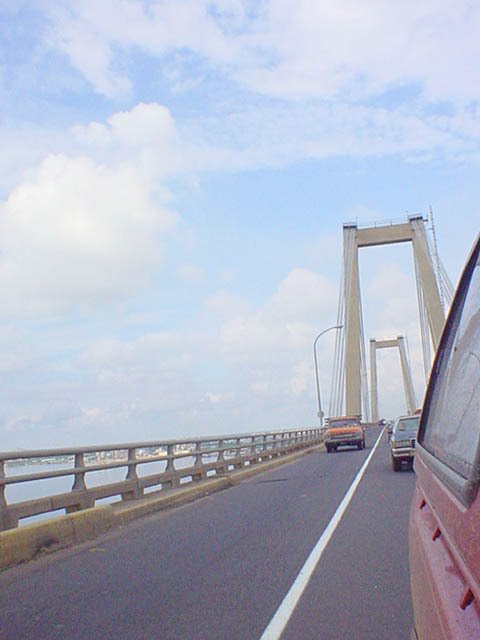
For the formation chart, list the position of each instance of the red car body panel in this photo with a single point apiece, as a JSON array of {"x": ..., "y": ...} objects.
[
  {"x": 444, "y": 530},
  {"x": 444, "y": 561}
]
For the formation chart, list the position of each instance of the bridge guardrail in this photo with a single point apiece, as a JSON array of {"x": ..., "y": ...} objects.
[{"x": 229, "y": 452}]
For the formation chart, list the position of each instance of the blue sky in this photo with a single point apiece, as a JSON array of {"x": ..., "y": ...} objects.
[{"x": 174, "y": 178}]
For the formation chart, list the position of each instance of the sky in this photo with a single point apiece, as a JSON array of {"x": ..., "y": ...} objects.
[{"x": 174, "y": 176}]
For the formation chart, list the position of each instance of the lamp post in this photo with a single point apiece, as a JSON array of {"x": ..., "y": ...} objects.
[{"x": 320, "y": 412}]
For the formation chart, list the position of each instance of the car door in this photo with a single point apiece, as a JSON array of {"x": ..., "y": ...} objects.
[{"x": 445, "y": 514}]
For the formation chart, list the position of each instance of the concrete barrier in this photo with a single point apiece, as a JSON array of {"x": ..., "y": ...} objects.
[
  {"x": 183, "y": 461},
  {"x": 28, "y": 542},
  {"x": 25, "y": 543}
]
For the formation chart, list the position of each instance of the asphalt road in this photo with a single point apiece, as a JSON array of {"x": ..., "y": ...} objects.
[{"x": 219, "y": 568}]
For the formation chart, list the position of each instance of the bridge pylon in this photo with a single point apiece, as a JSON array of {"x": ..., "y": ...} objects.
[
  {"x": 350, "y": 375},
  {"x": 410, "y": 399}
]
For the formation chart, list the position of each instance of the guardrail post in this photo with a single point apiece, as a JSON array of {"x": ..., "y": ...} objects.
[
  {"x": 170, "y": 468},
  {"x": 253, "y": 450},
  {"x": 79, "y": 486},
  {"x": 281, "y": 443},
  {"x": 221, "y": 465},
  {"x": 132, "y": 468},
  {"x": 6, "y": 519},
  {"x": 263, "y": 447},
  {"x": 3, "y": 502},
  {"x": 136, "y": 491},
  {"x": 276, "y": 445},
  {"x": 170, "y": 457},
  {"x": 238, "y": 451},
  {"x": 79, "y": 482},
  {"x": 199, "y": 473},
  {"x": 260, "y": 448},
  {"x": 270, "y": 445}
]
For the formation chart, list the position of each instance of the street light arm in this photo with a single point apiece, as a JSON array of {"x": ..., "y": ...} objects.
[{"x": 337, "y": 326}]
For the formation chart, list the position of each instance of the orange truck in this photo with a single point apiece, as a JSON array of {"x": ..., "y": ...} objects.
[{"x": 344, "y": 431}]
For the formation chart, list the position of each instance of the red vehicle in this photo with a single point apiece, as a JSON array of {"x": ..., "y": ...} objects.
[{"x": 445, "y": 515}]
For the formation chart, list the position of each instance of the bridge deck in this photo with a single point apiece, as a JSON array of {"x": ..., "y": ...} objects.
[{"x": 219, "y": 568}]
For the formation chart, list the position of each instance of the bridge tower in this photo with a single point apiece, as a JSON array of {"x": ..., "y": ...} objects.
[
  {"x": 398, "y": 342},
  {"x": 350, "y": 376}
]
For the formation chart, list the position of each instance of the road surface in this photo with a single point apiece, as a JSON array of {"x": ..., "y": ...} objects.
[{"x": 220, "y": 568}]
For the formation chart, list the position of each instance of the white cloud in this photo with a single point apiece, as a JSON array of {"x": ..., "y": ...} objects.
[
  {"x": 285, "y": 48},
  {"x": 137, "y": 363},
  {"x": 358, "y": 50},
  {"x": 287, "y": 321},
  {"x": 145, "y": 136},
  {"x": 212, "y": 398},
  {"x": 92, "y": 56},
  {"x": 321, "y": 63},
  {"x": 16, "y": 355},
  {"x": 25, "y": 145},
  {"x": 322, "y": 130},
  {"x": 302, "y": 376},
  {"x": 77, "y": 234},
  {"x": 88, "y": 33},
  {"x": 397, "y": 310},
  {"x": 226, "y": 305},
  {"x": 245, "y": 138},
  {"x": 92, "y": 414},
  {"x": 269, "y": 344},
  {"x": 302, "y": 295},
  {"x": 244, "y": 337}
]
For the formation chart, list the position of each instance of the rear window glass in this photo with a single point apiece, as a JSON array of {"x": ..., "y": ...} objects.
[
  {"x": 407, "y": 424},
  {"x": 452, "y": 428},
  {"x": 347, "y": 422}
]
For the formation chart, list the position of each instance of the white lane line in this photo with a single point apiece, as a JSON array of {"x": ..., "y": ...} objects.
[{"x": 281, "y": 617}]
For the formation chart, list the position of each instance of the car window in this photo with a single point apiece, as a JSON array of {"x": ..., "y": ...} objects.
[
  {"x": 338, "y": 424},
  {"x": 407, "y": 424},
  {"x": 452, "y": 427}
]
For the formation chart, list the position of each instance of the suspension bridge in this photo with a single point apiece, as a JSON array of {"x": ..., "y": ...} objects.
[
  {"x": 302, "y": 545},
  {"x": 350, "y": 386}
]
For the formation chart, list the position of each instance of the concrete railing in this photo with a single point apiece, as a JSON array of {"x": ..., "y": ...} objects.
[{"x": 182, "y": 461}]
